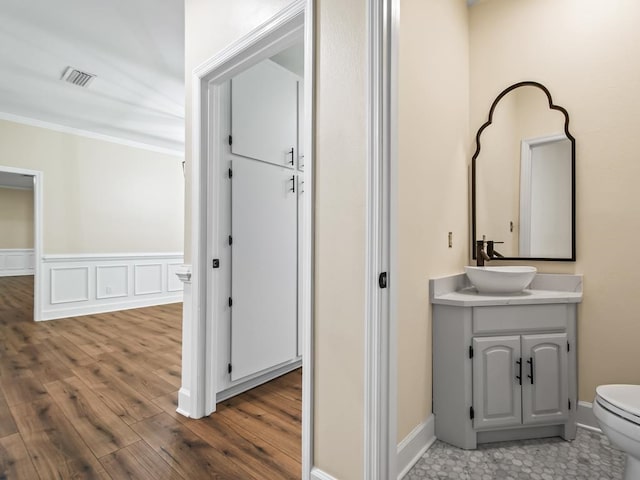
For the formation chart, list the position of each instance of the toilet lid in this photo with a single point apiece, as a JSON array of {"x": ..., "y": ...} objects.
[{"x": 623, "y": 398}]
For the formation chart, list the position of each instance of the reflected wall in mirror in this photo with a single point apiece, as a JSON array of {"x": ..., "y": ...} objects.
[{"x": 523, "y": 177}]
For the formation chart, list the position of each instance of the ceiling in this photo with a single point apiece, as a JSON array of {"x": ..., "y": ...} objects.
[
  {"x": 292, "y": 59},
  {"x": 134, "y": 47},
  {"x": 16, "y": 180}
]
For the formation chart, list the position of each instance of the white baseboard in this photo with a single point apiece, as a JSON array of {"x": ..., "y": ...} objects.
[
  {"x": 16, "y": 262},
  {"x": 317, "y": 474},
  {"x": 74, "y": 285},
  {"x": 586, "y": 418},
  {"x": 413, "y": 446},
  {"x": 258, "y": 380},
  {"x": 184, "y": 398}
]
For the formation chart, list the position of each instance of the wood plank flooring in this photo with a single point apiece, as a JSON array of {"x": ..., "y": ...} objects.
[{"x": 94, "y": 397}]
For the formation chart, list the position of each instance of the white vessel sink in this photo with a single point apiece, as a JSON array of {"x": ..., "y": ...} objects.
[{"x": 500, "y": 279}]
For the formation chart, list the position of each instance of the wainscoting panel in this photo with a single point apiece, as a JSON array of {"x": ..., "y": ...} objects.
[
  {"x": 75, "y": 285},
  {"x": 112, "y": 281},
  {"x": 16, "y": 261},
  {"x": 148, "y": 279},
  {"x": 174, "y": 284},
  {"x": 69, "y": 284}
]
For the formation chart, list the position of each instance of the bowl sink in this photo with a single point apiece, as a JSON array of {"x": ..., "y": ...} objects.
[{"x": 500, "y": 279}]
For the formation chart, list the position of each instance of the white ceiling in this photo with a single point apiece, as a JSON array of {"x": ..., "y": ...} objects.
[
  {"x": 135, "y": 47},
  {"x": 15, "y": 180}
]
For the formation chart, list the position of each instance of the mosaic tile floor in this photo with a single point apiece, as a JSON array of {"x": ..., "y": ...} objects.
[{"x": 588, "y": 457}]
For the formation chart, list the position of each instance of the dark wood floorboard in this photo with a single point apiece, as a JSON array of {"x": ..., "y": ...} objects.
[{"x": 94, "y": 397}]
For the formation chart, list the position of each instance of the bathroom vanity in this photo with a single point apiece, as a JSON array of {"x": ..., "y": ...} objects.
[{"x": 504, "y": 366}]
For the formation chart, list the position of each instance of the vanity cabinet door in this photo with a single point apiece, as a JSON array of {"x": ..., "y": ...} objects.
[
  {"x": 545, "y": 387},
  {"x": 496, "y": 388}
]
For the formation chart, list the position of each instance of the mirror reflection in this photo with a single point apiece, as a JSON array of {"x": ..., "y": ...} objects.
[{"x": 523, "y": 177}]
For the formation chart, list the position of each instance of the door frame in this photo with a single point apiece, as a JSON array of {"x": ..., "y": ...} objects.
[
  {"x": 37, "y": 234},
  {"x": 198, "y": 395},
  {"x": 526, "y": 153},
  {"x": 380, "y": 382}
]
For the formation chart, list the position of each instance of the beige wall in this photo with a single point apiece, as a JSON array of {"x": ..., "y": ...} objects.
[
  {"x": 584, "y": 51},
  {"x": 433, "y": 185},
  {"x": 16, "y": 218},
  {"x": 99, "y": 197},
  {"x": 340, "y": 236},
  {"x": 340, "y": 198}
]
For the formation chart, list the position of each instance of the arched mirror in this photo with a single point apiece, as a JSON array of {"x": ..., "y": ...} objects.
[{"x": 523, "y": 177}]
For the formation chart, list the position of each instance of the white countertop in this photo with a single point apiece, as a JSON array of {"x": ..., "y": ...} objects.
[{"x": 455, "y": 290}]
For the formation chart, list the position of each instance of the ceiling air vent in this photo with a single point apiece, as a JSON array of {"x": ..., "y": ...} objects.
[{"x": 77, "y": 77}]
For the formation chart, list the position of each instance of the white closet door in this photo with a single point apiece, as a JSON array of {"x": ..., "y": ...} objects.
[
  {"x": 264, "y": 114},
  {"x": 264, "y": 264}
]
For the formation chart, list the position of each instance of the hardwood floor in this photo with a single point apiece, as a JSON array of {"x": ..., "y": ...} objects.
[{"x": 95, "y": 397}]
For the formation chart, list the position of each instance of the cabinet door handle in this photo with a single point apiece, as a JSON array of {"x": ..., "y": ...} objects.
[
  {"x": 292, "y": 153},
  {"x": 293, "y": 183},
  {"x": 530, "y": 362},
  {"x": 519, "y": 376}
]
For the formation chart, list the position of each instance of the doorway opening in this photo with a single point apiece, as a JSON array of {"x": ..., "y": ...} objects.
[
  {"x": 260, "y": 220},
  {"x": 252, "y": 205},
  {"x": 21, "y": 216}
]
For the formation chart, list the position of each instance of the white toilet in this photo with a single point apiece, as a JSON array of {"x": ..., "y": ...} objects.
[{"x": 617, "y": 408}]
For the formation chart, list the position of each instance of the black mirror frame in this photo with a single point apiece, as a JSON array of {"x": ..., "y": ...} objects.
[{"x": 489, "y": 121}]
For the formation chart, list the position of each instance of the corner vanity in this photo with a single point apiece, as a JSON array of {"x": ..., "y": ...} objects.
[{"x": 504, "y": 366}]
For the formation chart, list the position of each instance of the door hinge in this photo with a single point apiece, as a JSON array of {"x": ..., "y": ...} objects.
[
  {"x": 229, "y": 369},
  {"x": 382, "y": 280},
  {"x": 230, "y": 173},
  {"x": 569, "y": 404},
  {"x": 568, "y": 347},
  {"x": 472, "y": 414},
  {"x": 215, "y": 263},
  {"x": 230, "y": 240},
  {"x": 230, "y": 302},
  {"x": 470, "y": 351},
  {"x": 230, "y": 140}
]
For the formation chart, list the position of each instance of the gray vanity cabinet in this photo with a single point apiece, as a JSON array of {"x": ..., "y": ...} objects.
[
  {"x": 520, "y": 380},
  {"x": 545, "y": 386},
  {"x": 504, "y": 372},
  {"x": 496, "y": 392}
]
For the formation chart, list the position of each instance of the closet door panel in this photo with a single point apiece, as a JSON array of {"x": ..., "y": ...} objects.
[
  {"x": 264, "y": 265},
  {"x": 264, "y": 111}
]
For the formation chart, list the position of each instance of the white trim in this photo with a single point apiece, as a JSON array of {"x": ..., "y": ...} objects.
[
  {"x": 197, "y": 397},
  {"x": 38, "y": 177},
  {"x": 308, "y": 254},
  {"x": 394, "y": 91},
  {"x": 257, "y": 380},
  {"x": 32, "y": 122},
  {"x": 107, "y": 283},
  {"x": 95, "y": 257},
  {"x": 379, "y": 433},
  {"x": 15, "y": 262},
  {"x": 585, "y": 417},
  {"x": 317, "y": 474},
  {"x": 414, "y": 445}
]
